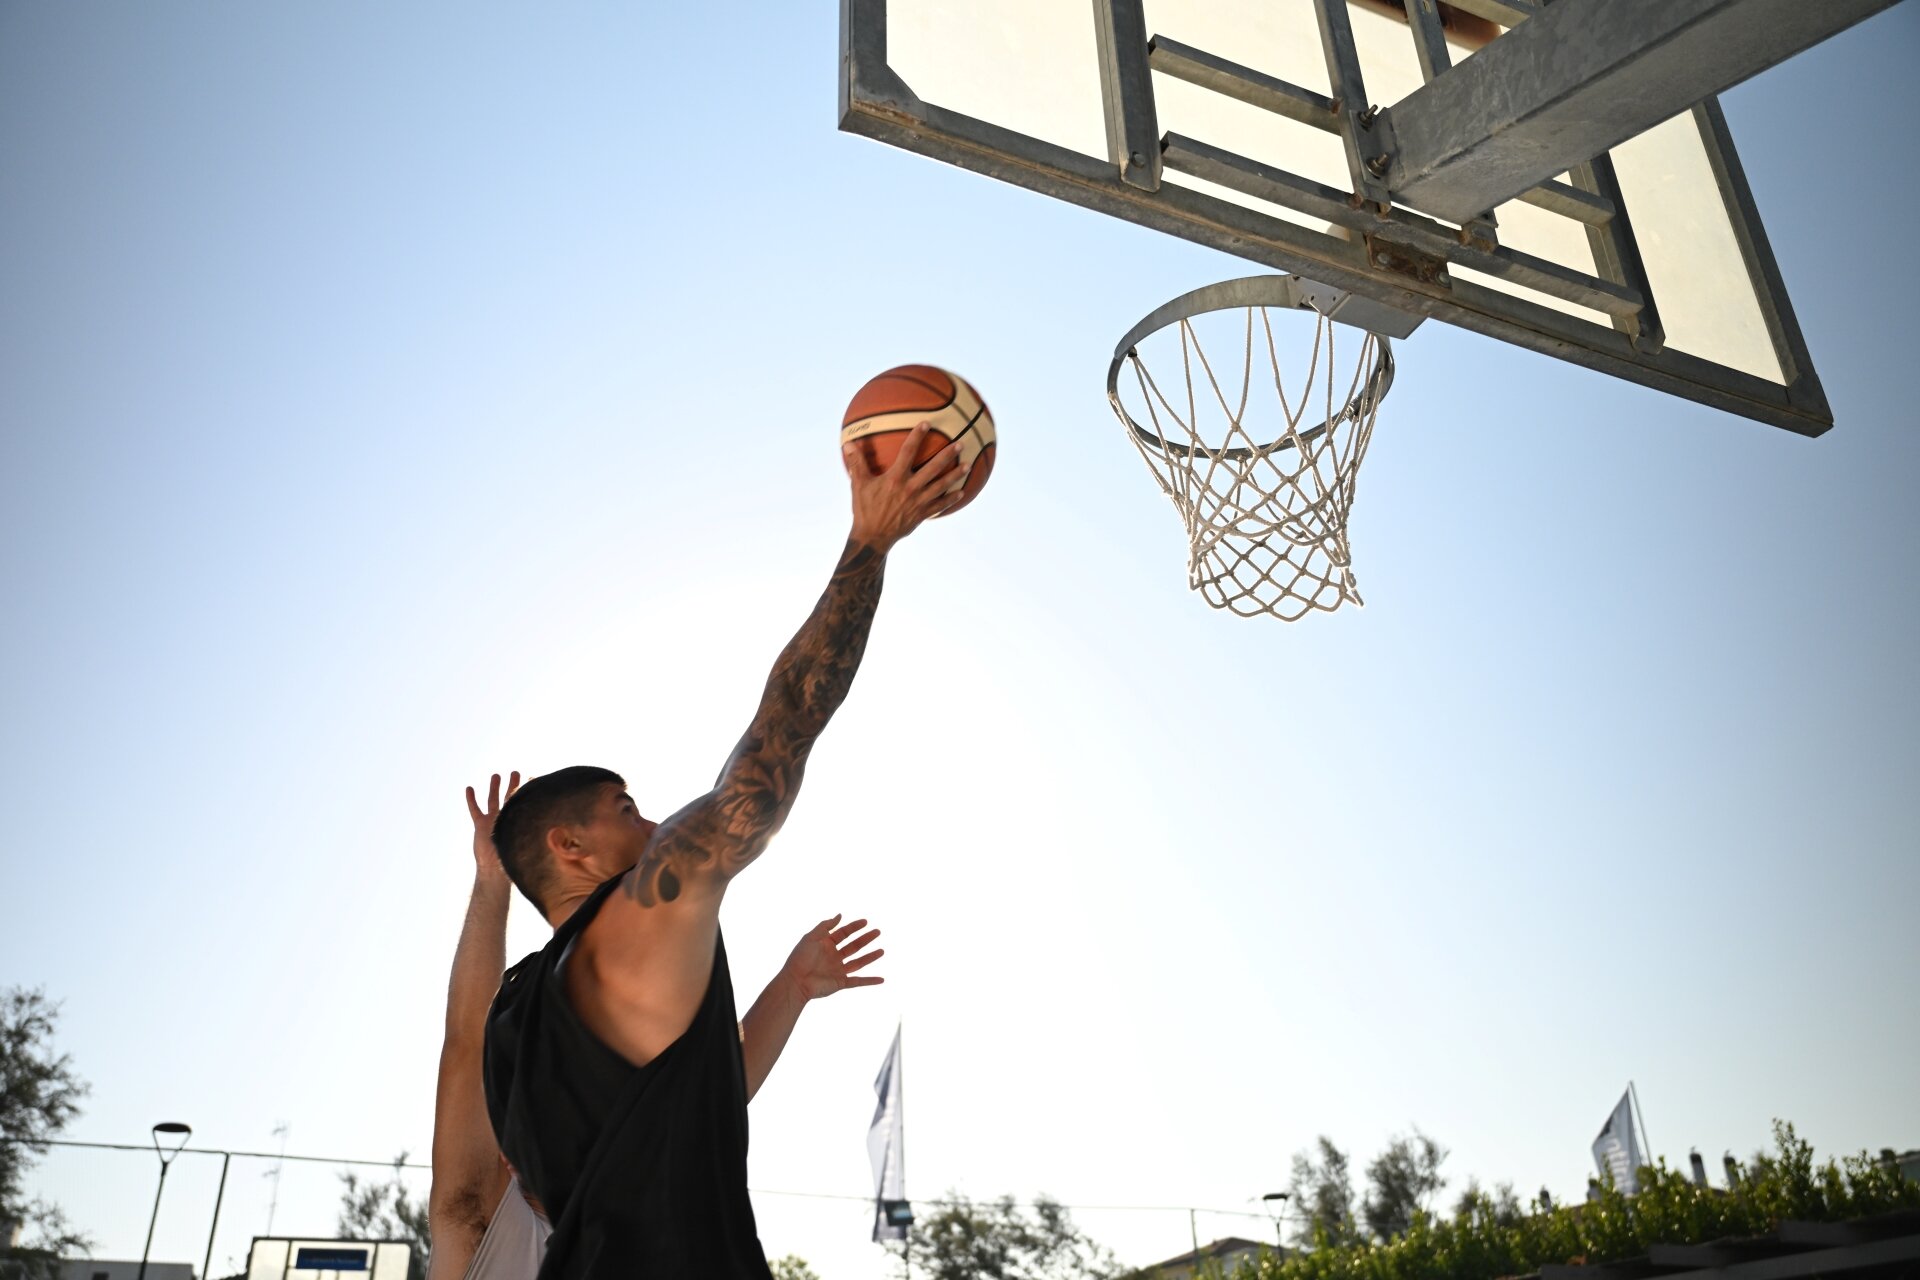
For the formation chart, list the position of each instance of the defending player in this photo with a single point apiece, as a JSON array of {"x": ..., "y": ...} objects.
[
  {"x": 484, "y": 1226},
  {"x": 481, "y": 1223},
  {"x": 615, "y": 1078}
]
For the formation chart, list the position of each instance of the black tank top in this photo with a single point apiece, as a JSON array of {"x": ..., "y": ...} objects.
[{"x": 642, "y": 1170}]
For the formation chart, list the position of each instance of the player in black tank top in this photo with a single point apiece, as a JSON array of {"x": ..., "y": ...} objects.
[
  {"x": 558, "y": 1094},
  {"x": 643, "y": 1170},
  {"x": 616, "y": 1079}
]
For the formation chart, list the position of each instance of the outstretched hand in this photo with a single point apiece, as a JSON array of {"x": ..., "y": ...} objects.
[
  {"x": 486, "y": 860},
  {"x": 829, "y": 958},
  {"x": 888, "y": 505}
]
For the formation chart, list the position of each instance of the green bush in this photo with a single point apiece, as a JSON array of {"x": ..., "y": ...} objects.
[{"x": 1670, "y": 1209}]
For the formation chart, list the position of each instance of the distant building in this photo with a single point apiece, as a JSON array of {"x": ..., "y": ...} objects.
[
  {"x": 98, "y": 1269},
  {"x": 1909, "y": 1165},
  {"x": 1223, "y": 1256}
]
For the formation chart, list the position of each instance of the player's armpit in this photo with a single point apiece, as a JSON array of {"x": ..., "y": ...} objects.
[
  {"x": 457, "y": 1221},
  {"x": 469, "y": 1176}
]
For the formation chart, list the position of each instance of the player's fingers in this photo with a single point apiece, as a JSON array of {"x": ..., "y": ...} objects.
[
  {"x": 473, "y": 805},
  {"x": 939, "y": 468},
  {"x": 493, "y": 794},
  {"x": 846, "y": 930},
  {"x": 513, "y": 783},
  {"x": 903, "y": 461},
  {"x": 860, "y": 943},
  {"x": 861, "y": 461},
  {"x": 861, "y": 962},
  {"x": 942, "y": 498},
  {"x": 874, "y": 981}
]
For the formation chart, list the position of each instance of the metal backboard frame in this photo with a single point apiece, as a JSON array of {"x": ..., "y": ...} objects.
[{"x": 1367, "y": 238}]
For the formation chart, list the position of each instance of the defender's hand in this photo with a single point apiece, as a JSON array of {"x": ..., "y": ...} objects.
[
  {"x": 888, "y": 505},
  {"x": 825, "y": 961},
  {"x": 486, "y": 860}
]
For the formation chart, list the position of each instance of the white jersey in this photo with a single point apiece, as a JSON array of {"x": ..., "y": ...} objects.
[{"x": 515, "y": 1242}]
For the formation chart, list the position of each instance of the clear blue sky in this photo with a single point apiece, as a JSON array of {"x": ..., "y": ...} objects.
[{"x": 393, "y": 394}]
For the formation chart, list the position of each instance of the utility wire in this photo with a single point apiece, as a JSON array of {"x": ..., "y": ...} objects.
[{"x": 762, "y": 1191}]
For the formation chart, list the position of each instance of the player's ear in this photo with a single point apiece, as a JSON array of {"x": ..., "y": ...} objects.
[{"x": 565, "y": 846}]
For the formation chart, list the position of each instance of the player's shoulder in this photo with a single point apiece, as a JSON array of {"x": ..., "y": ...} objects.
[
  {"x": 511, "y": 982},
  {"x": 518, "y": 998},
  {"x": 631, "y": 942}
]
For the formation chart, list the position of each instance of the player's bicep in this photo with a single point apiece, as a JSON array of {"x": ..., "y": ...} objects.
[{"x": 679, "y": 856}]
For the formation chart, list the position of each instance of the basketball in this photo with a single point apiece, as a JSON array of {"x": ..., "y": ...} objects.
[{"x": 893, "y": 403}]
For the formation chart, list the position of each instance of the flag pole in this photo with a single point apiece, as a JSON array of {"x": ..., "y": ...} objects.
[{"x": 1646, "y": 1144}]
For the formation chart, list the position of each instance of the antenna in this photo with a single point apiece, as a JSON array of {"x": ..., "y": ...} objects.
[{"x": 273, "y": 1205}]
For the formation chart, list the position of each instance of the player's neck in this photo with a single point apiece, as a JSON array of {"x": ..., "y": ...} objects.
[{"x": 563, "y": 903}]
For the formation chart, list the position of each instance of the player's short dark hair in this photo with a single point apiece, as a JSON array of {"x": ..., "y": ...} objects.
[{"x": 551, "y": 800}]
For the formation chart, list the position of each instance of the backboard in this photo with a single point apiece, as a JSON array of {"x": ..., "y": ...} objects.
[{"x": 1556, "y": 175}]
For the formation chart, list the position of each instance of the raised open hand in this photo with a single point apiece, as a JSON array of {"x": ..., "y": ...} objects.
[
  {"x": 829, "y": 957},
  {"x": 486, "y": 861}
]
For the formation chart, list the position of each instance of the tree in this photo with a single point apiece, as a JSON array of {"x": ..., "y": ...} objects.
[
  {"x": 39, "y": 1097},
  {"x": 1322, "y": 1190},
  {"x": 1499, "y": 1206},
  {"x": 998, "y": 1240},
  {"x": 793, "y": 1267},
  {"x": 1667, "y": 1209},
  {"x": 1402, "y": 1181},
  {"x": 386, "y": 1210}
]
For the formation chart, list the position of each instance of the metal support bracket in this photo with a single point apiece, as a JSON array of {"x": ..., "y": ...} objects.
[
  {"x": 1126, "y": 91},
  {"x": 1368, "y": 155},
  {"x": 1616, "y": 255},
  {"x": 1580, "y": 77}
]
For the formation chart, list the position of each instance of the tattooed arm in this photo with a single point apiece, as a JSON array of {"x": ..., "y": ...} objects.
[
  {"x": 716, "y": 836},
  {"x": 641, "y": 967}
]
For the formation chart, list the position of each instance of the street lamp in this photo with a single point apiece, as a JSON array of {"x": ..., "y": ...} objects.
[
  {"x": 177, "y": 1134},
  {"x": 1279, "y": 1234}
]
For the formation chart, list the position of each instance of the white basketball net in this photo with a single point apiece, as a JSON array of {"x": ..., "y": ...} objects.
[{"x": 1265, "y": 499}]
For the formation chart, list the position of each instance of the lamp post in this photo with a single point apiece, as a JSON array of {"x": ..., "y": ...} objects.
[
  {"x": 1280, "y": 1235},
  {"x": 177, "y": 1134}
]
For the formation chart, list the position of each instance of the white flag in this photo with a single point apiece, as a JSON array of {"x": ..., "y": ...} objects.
[
  {"x": 887, "y": 1146},
  {"x": 1616, "y": 1151}
]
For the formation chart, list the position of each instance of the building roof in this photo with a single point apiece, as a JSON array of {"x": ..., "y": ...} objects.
[{"x": 1226, "y": 1247}]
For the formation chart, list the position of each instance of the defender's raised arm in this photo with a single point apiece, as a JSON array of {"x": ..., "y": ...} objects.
[
  {"x": 828, "y": 958},
  {"x": 718, "y": 834},
  {"x": 468, "y": 1174}
]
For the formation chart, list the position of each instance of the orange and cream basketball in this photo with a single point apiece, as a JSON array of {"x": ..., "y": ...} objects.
[{"x": 891, "y": 404}]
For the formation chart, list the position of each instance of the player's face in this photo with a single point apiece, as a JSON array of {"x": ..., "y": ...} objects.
[{"x": 618, "y": 832}]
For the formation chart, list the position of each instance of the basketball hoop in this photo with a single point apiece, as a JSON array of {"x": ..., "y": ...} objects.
[{"x": 1265, "y": 490}]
